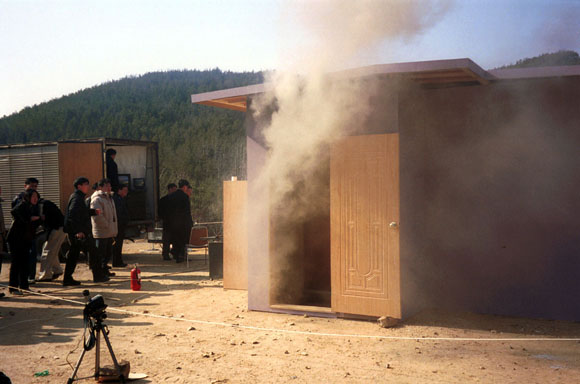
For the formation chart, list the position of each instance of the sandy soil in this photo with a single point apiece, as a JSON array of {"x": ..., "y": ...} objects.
[{"x": 185, "y": 328}]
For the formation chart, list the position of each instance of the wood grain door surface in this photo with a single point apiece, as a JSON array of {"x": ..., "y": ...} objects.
[
  {"x": 75, "y": 160},
  {"x": 364, "y": 209},
  {"x": 235, "y": 235}
]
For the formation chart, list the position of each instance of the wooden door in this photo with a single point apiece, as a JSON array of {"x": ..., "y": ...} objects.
[
  {"x": 75, "y": 160},
  {"x": 364, "y": 212},
  {"x": 235, "y": 235}
]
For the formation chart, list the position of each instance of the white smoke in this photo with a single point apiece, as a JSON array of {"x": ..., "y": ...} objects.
[{"x": 311, "y": 111}]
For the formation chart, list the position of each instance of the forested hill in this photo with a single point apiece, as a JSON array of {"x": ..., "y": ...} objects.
[
  {"x": 203, "y": 144},
  {"x": 547, "y": 60}
]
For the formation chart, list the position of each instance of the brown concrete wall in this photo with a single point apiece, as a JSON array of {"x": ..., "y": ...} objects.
[{"x": 490, "y": 209}]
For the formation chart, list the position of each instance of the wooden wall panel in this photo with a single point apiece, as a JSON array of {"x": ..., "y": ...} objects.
[
  {"x": 235, "y": 235},
  {"x": 75, "y": 160}
]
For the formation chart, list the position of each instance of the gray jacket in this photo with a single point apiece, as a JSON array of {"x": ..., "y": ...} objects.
[{"x": 104, "y": 224}]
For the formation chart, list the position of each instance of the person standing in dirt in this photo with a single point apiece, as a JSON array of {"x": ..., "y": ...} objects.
[
  {"x": 20, "y": 238},
  {"x": 112, "y": 169},
  {"x": 180, "y": 221},
  {"x": 77, "y": 224},
  {"x": 29, "y": 183},
  {"x": 53, "y": 224},
  {"x": 89, "y": 243},
  {"x": 104, "y": 231},
  {"x": 163, "y": 211},
  {"x": 119, "y": 199}
]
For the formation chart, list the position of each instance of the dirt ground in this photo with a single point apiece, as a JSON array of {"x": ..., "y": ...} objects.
[{"x": 183, "y": 327}]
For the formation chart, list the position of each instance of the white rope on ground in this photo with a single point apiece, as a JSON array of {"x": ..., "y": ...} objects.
[{"x": 309, "y": 333}]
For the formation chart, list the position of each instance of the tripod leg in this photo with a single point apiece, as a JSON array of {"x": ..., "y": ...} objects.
[
  {"x": 98, "y": 353},
  {"x": 117, "y": 367},
  {"x": 72, "y": 378}
]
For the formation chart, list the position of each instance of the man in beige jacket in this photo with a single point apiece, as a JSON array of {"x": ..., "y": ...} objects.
[{"x": 104, "y": 230}]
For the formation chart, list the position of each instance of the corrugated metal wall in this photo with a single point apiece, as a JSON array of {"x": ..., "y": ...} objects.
[{"x": 18, "y": 163}]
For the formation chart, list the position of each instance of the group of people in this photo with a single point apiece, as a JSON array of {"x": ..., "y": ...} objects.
[
  {"x": 34, "y": 217},
  {"x": 175, "y": 211},
  {"x": 94, "y": 224}
]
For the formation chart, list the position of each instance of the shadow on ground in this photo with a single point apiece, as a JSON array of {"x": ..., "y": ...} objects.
[{"x": 54, "y": 314}]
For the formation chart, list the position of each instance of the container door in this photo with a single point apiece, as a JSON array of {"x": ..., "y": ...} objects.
[
  {"x": 364, "y": 210},
  {"x": 78, "y": 159}
]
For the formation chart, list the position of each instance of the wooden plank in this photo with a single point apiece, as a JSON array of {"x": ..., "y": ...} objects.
[
  {"x": 235, "y": 100},
  {"x": 364, "y": 191},
  {"x": 75, "y": 160},
  {"x": 222, "y": 104},
  {"x": 436, "y": 74},
  {"x": 235, "y": 235},
  {"x": 480, "y": 79},
  {"x": 449, "y": 80}
]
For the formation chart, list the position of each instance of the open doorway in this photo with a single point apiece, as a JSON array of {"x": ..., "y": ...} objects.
[{"x": 300, "y": 244}]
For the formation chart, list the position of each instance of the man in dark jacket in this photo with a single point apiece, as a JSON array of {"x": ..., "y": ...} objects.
[
  {"x": 29, "y": 183},
  {"x": 112, "y": 169},
  {"x": 20, "y": 239},
  {"x": 163, "y": 211},
  {"x": 180, "y": 223},
  {"x": 77, "y": 224},
  {"x": 122, "y": 221},
  {"x": 53, "y": 224}
]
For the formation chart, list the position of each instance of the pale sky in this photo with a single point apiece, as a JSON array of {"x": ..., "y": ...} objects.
[{"x": 52, "y": 48}]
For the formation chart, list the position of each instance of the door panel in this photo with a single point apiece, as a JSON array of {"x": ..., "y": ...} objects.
[
  {"x": 364, "y": 200},
  {"x": 235, "y": 235},
  {"x": 75, "y": 160}
]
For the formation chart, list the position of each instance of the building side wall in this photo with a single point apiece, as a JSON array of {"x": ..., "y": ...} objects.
[
  {"x": 489, "y": 198},
  {"x": 258, "y": 230}
]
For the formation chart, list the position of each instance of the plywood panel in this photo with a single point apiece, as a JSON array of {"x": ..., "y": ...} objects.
[
  {"x": 235, "y": 235},
  {"x": 75, "y": 160},
  {"x": 364, "y": 190}
]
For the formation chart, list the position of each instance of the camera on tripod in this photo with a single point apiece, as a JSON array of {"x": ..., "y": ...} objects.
[
  {"x": 94, "y": 314},
  {"x": 94, "y": 307}
]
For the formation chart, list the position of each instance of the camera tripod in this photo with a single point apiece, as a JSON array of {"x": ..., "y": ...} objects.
[{"x": 96, "y": 329}]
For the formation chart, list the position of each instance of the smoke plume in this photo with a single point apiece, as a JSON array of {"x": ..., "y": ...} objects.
[
  {"x": 312, "y": 110},
  {"x": 561, "y": 30}
]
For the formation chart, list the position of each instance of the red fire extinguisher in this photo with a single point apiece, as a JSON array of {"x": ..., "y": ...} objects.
[{"x": 136, "y": 279}]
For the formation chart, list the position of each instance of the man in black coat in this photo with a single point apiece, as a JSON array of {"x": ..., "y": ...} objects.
[
  {"x": 77, "y": 224},
  {"x": 163, "y": 211},
  {"x": 180, "y": 222},
  {"x": 29, "y": 183}
]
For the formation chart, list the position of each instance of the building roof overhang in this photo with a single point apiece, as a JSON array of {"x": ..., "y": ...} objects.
[{"x": 428, "y": 74}]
